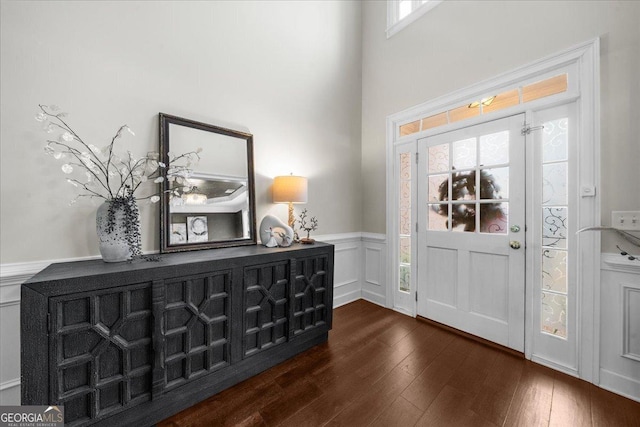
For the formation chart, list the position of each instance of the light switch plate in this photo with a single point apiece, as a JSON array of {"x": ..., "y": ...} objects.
[{"x": 626, "y": 220}]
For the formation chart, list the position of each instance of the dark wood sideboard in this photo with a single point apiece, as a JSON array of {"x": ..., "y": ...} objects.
[{"x": 133, "y": 343}]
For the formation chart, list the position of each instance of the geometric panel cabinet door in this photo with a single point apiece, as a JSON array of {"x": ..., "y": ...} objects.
[
  {"x": 195, "y": 330},
  {"x": 312, "y": 297},
  {"x": 101, "y": 348},
  {"x": 134, "y": 343}
]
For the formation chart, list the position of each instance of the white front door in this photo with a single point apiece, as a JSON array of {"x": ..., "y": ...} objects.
[{"x": 471, "y": 232}]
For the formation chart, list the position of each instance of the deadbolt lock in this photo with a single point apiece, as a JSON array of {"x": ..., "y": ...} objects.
[{"x": 515, "y": 228}]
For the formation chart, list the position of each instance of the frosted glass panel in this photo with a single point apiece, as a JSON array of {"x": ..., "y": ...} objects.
[
  {"x": 405, "y": 221},
  {"x": 405, "y": 250},
  {"x": 494, "y": 218},
  {"x": 554, "y": 227},
  {"x": 554, "y": 314},
  {"x": 405, "y": 195},
  {"x": 463, "y": 217},
  {"x": 554, "y": 270},
  {"x": 554, "y": 140},
  {"x": 405, "y": 278},
  {"x": 554, "y": 184},
  {"x": 437, "y": 218},
  {"x": 435, "y": 182},
  {"x": 494, "y": 183},
  {"x": 464, "y": 154},
  {"x": 463, "y": 186},
  {"x": 439, "y": 158},
  {"x": 405, "y": 166},
  {"x": 494, "y": 149}
]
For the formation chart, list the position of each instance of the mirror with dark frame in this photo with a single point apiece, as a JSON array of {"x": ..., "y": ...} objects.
[{"x": 209, "y": 202}]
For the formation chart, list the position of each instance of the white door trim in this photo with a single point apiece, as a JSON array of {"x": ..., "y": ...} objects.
[{"x": 583, "y": 62}]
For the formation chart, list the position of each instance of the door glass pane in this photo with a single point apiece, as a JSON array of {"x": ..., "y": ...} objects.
[
  {"x": 404, "y": 238},
  {"x": 405, "y": 167},
  {"x": 463, "y": 217},
  {"x": 405, "y": 278},
  {"x": 405, "y": 221},
  {"x": 494, "y": 183},
  {"x": 554, "y": 273},
  {"x": 494, "y": 218},
  {"x": 554, "y": 227},
  {"x": 463, "y": 186},
  {"x": 437, "y": 218},
  {"x": 405, "y": 195},
  {"x": 464, "y": 154},
  {"x": 554, "y": 186},
  {"x": 405, "y": 250},
  {"x": 494, "y": 149},
  {"x": 438, "y": 188},
  {"x": 554, "y": 314},
  {"x": 554, "y": 270},
  {"x": 439, "y": 158},
  {"x": 554, "y": 142}
]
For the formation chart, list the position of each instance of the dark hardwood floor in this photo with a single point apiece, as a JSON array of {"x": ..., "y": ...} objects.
[{"x": 381, "y": 368}]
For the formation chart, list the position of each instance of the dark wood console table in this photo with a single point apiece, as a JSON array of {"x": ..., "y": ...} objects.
[{"x": 134, "y": 343}]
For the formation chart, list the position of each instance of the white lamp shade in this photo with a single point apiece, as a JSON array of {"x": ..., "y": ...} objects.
[{"x": 290, "y": 188}]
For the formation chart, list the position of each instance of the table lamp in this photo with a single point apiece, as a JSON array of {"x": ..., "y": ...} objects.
[{"x": 290, "y": 189}]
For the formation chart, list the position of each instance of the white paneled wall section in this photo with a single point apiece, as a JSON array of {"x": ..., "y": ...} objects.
[
  {"x": 358, "y": 273},
  {"x": 620, "y": 326}
]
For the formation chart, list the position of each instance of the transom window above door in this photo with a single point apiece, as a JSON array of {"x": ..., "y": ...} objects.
[{"x": 490, "y": 103}]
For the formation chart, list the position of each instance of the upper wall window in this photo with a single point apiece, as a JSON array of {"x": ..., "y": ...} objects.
[{"x": 401, "y": 13}]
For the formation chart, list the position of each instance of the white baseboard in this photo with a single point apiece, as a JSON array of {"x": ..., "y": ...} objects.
[
  {"x": 374, "y": 298},
  {"x": 619, "y": 384},
  {"x": 347, "y": 298},
  {"x": 10, "y": 392}
]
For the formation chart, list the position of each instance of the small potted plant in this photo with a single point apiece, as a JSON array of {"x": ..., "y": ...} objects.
[{"x": 308, "y": 227}]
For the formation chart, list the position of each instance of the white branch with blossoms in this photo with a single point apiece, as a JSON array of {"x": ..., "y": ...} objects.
[{"x": 107, "y": 175}]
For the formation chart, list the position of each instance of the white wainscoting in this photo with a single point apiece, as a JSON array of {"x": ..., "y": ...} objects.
[
  {"x": 620, "y": 326},
  {"x": 359, "y": 272}
]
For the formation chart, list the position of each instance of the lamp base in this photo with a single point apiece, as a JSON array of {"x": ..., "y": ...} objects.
[{"x": 291, "y": 218}]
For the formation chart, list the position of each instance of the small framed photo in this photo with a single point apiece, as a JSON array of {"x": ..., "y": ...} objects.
[
  {"x": 197, "y": 229},
  {"x": 178, "y": 233}
]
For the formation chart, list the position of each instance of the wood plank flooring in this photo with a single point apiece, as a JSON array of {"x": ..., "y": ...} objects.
[{"x": 381, "y": 368}]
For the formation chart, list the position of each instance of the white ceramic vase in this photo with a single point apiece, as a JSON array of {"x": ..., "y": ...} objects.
[{"x": 113, "y": 243}]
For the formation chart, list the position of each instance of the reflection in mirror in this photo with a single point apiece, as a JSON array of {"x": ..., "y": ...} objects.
[{"x": 213, "y": 204}]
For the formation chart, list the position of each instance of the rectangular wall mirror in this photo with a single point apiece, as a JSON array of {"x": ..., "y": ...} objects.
[{"x": 209, "y": 203}]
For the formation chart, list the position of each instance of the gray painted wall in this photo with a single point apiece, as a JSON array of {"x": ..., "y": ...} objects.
[
  {"x": 460, "y": 43},
  {"x": 288, "y": 72}
]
